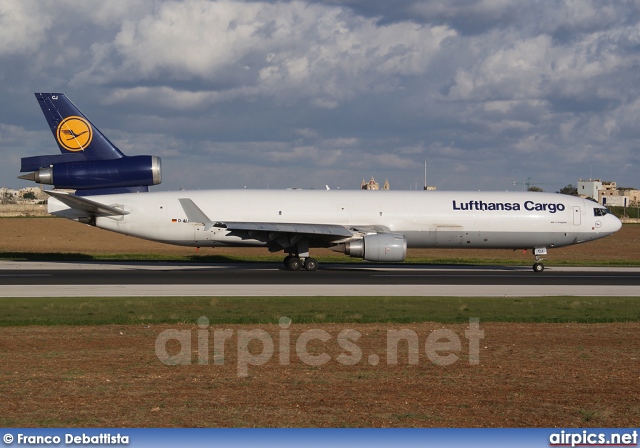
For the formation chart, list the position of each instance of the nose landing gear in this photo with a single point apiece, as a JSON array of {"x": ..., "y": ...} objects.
[
  {"x": 538, "y": 267},
  {"x": 538, "y": 252}
]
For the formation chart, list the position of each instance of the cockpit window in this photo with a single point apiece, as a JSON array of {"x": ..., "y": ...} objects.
[{"x": 600, "y": 211}]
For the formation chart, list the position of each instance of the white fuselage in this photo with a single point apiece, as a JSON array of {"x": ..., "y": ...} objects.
[{"x": 427, "y": 219}]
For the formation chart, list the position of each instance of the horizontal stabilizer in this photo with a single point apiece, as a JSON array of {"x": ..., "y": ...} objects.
[
  {"x": 86, "y": 205},
  {"x": 36, "y": 162}
]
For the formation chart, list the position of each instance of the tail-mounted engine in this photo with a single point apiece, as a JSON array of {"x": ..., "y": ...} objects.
[{"x": 126, "y": 171}]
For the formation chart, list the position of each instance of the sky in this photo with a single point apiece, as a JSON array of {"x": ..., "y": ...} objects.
[{"x": 232, "y": 94}]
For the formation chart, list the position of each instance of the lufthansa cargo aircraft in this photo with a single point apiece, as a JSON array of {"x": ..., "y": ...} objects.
[{"x": 111, "y": 192}]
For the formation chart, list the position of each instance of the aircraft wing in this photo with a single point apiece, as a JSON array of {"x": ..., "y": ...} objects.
[
  {"x": 276, "y": 234},
  {"x": 86, "y": 205},
  {"x": 309, "y": 229}
]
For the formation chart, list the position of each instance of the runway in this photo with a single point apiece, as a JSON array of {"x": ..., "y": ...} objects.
[{"x": 96, "y": 279}]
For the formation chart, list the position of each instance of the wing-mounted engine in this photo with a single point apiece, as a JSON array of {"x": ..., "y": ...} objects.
[{"x": 377, "y": 247}]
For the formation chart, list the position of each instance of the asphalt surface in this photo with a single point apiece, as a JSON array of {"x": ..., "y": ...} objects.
[
  {"x": 244, "y": 274},
  {"x": 24, "y": 279}
]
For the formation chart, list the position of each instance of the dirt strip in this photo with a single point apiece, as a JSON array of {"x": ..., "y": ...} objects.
[{"x": 540, "y": 375}]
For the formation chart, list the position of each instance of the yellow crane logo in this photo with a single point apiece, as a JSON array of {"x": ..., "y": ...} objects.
[{"x": 74, "y": 133}]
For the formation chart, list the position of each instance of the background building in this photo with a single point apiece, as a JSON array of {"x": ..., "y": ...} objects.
[
  {"x": 373, "y": 185},
  {"x": 607, "y": 193}
]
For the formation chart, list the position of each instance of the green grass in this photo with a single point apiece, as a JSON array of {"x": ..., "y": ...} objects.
[{"x": 318, "y": 310}]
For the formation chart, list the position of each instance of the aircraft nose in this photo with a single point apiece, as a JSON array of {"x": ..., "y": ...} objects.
[{"x": 612, "y": 223}]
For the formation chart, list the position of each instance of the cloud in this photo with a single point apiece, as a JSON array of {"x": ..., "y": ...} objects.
[
  {"x": 19, "y": 33},
  {"x": 322, "y": 91},
  {"x": 301, "y": 51}
]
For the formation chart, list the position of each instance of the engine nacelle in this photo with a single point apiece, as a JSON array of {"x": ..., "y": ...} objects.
[
  {"x": 378, "y": 247},
  {"x": 82, "y": 175}
]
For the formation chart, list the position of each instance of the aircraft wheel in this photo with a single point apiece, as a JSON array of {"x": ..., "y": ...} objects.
[
  {"x": 311, "y": 264},
  {"x": 286, "y": 261},
  {"x": 294, "y": 264},
  {"x": 538, "y": 267}
]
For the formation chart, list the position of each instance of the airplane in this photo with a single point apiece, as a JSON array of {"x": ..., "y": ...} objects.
[{"x": 111, "y": 192}]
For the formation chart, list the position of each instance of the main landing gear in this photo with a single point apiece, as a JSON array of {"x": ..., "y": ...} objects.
[
  {"x": 299, "y": 258},
  {"x": 538, "y": 252},
  {"x": 294, "y": 263}
]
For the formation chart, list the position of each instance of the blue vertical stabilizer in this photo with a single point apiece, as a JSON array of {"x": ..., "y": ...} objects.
[{"x": 73, "y": 131}]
